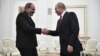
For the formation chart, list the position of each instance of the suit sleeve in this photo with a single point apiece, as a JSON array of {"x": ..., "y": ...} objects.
[
  {"x": 26, "y": 27},
  {"x": 55, "y": 32},
  {"x": 74, "y": 28}
]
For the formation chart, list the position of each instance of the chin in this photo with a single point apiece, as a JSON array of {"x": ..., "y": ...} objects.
[{"x": 58, "y": 14}]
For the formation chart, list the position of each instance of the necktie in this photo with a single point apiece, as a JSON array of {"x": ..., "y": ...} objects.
[{"x": 60, "y": 19}]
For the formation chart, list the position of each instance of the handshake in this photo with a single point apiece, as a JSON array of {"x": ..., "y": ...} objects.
[{"x": 45, "y": 31}]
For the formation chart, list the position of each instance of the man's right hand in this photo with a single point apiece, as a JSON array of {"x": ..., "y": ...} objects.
[
  {"x": 69, "y": 48},
  {"x": 45, "y": 31}
]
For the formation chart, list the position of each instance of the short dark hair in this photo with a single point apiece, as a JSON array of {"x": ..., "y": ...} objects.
[
  {"x": 61, "y": 5},
  {"x": 28, "y": 5}
]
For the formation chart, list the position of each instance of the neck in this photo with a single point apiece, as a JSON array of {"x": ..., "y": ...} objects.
[
  {"x": 27, "y": 13},
  {"x": 62, "y": 12}
]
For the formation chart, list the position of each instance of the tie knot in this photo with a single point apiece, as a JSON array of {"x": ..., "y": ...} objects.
[{"x": 60, "y": 17}]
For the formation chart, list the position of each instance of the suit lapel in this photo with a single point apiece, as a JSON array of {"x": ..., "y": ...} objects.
[
  {"x": 31, "y": 22},
  {"x": 64, "y": 16},
  {"x": 62, "y": 21}
]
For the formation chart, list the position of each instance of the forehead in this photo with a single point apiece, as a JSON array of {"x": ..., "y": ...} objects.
[
  {"x": 32, "y": 6},
  {"x": 56, "y": 7}
]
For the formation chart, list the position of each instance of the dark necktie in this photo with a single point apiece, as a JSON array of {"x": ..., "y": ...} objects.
[{"x": 60, "y": 19}]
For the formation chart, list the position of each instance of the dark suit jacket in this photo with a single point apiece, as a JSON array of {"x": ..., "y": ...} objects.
[
  {"x": 26, "y": 31},
  {"x": 68, "y": 30}
]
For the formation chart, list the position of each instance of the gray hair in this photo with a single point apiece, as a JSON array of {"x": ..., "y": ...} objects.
[
  {"x": 61, "y": 5},
  {"x": 28, "y": 5}
]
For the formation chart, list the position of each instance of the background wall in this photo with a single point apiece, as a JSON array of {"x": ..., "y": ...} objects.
[{"x": 9, "y": 11}]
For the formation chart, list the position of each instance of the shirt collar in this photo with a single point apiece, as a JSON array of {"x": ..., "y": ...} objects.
[
  {"x": 63, "y": 13},
  {"x": 29, "y": 15}
]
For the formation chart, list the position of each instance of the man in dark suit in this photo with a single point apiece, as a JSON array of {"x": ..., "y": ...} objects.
[
  {"x": 26, "y": 40},
  {"x": 68, "y": 31}
]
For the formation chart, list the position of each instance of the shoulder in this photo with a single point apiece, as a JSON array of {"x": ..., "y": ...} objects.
[
  {"x": 22, "y": 14},
  {"x": 71, "y": 13}
]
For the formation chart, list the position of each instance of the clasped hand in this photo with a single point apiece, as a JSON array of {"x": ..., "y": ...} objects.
[{"x": 45, "y": 31}]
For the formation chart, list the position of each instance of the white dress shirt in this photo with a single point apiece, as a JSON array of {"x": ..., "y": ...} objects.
[{"x": 63, "y": 14}]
